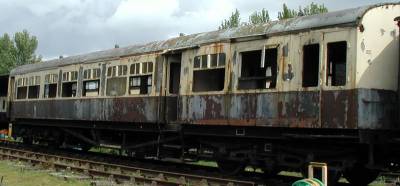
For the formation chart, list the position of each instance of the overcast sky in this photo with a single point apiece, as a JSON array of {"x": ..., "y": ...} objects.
[{"x": 70, "y": 27}]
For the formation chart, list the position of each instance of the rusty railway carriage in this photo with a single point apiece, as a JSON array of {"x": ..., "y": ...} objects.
[
  {"x": 274, "y": 96},
  {"x": 3, "y": 101}
]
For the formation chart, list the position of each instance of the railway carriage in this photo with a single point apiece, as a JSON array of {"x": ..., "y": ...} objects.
[
  {"x": 274, "y": 96},
  {"x": 3, "y": 101}
]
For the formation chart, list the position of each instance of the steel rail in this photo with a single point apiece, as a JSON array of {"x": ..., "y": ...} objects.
[{"x": 133, "y": 175}]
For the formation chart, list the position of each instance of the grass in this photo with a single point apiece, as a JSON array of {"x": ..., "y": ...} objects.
[{"x": 14, "y": 173}]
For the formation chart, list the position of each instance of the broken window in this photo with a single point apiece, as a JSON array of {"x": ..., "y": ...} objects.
[
  {"x": 50, "y": 85},
  {"x": 337, "y": 54},
  {"x": 116, "y": 80},
  {"x": 141, "y": 78},
  {"x": 91, "y": 81},
  {"x": 33, "y": 87},
  {"x": 310, "y": 65},
  {"x": 69, "y": 84},
  {"x": 209, "y": 72},
  {"x": 22, "y": 88},
  {"x": 259, "y": 69}
]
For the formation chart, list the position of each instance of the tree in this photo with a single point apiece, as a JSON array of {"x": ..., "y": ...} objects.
[
  {"x": 259, "y": 17},
  {"x": 6, "y": 54},
  {"x": 314, "y": 8},
  {"x": 232, "y": 22},
  {"x": 286, "y": 13},
  {"x": 311, "y": 9},
  {"x": 17, "y": 51}
]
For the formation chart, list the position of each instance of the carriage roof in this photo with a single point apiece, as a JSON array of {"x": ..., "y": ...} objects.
[{"x": 342, "y": 18}]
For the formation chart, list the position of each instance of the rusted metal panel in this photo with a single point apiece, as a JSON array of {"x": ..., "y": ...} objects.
[
  {"x": 290, "y": 109},
  {"x": 339, "y": 109},
  {"x": 132, "y": 109},
  {"x": 377, "y": 109}
]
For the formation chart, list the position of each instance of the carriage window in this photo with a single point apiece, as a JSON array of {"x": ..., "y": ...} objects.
[
  {"x": 337, "y": 54},
  {"x": 91, "y": 88},
  {"x": 91, "y": 81},
  {"x": 116, "y": 80},
  {"x": 34, "y": 87},
  {"x": 70, "y": 84},
  {"x": 22, "y": 88},
  {"x": 50, "y": 85},
  {"x": 258, "y": 72},
  {"x": 310, "y": 65},
  {"x": 209, "y": 72},
  {"x": 141, "y": 78}
]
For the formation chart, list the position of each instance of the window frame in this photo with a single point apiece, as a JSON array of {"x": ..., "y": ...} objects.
[
  {"x": 338, "y": 36},
  {"x": 69, "y": 74},
  {"x": 91, "y": 74},
  {"x": 320, "y": 61},
  {"x": 262, "y": 63},
  {"x": 50, "y": 78},
  {"x": 139, "y": 73},
  {"x": 21, "y": 82},
  {"x": 208, "y": 67},
  {"x": 327, "y": 63},
  {"x": 34, "y": 81},
  {"x": 111, "y": 65},
  {"x": 262, "y": 47}
]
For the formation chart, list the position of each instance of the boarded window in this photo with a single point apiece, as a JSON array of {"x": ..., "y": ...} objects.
[
  {"x": 116, "y": 86},
  {"x": 141, "y": 78},
  {"x": 310, "y": 65},
  {"x": 337, "y": 56},
  {"x": 209, "y": 72},
  {"x": 258, "y": 70}
]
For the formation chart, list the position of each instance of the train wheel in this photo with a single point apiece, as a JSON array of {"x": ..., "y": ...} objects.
[
  {"x": 270, "y": 173},
  {"x": 360, "y": 176},
  {"x": 230, "y": 167}
]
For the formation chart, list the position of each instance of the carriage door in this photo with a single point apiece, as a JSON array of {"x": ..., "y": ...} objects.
[
  {"x": 338, "y": 108},
  {"x": 310, "y": 51},
  {"x": 173, "y": 85}
]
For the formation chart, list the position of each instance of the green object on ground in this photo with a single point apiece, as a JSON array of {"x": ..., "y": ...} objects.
[{"x": 308, "y": 182}]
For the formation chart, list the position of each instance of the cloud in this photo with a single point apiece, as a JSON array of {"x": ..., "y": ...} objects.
[{"x": 80, "y": 26}]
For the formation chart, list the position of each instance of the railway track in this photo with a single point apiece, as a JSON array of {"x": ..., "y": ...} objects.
[{"x": 131, "y": 174}]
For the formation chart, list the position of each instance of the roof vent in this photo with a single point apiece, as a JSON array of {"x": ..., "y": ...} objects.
[{"x": 116, "y": 46}]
